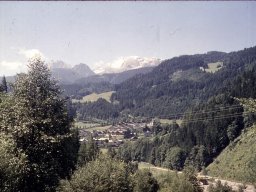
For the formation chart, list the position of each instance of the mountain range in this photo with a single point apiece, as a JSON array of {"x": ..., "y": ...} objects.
[
  {"x": 69, "y": 75},
  {"x": 114, "y": 72}
]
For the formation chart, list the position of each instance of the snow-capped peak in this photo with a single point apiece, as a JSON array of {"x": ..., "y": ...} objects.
[{"x": 125, "y": 63}]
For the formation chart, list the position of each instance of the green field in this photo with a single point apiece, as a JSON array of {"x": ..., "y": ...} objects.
[
  {"x": 94, "y": 97},
  {"x": 238, "y": 161},
  {"x": 169, "y": 121},
  {"x": 85, "y": 125},
  {"x": 213, "y": 67},
  {"x": 156, "y": 171},
  {"x": 99, "y": 128},
  {"x": 91, "y": 126}
]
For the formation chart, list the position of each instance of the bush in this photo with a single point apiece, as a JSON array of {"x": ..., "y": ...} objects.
[
  {"x": 145, "y": 182},
  {"x": 102, "y": 175},
  {"x": 12, "y": 165},
  {"x": 174, "y": 183},
  {"x": 220, "y": 187}
]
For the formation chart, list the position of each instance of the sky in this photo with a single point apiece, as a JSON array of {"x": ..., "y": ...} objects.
[{"x": 97, "y": 33}]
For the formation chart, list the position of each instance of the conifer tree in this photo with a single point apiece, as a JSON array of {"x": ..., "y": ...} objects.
[{"x": 4, "y": 85}]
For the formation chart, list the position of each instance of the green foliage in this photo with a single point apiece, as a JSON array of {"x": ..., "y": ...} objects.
[
  {"x": 238, "y": 160},
  {"x": 249, "y": 104},
  {"x": 220, "y": 187},
  {"x": 100, "y": 109},
  {"x": 170, "y": 181},
  {"x": 111, "y": 152},
  {"x": 190, "y": 175},
  {"x": 80, "y": 89},
  {"x": 244, "y": 84},
  {"x": 158, "y": 94},
  {"x": 36, "y": 117},
  {"x": 200, "y": 138},
  {"x": 106, "y": 174},
  {"x": 102, "y": 175},
  {"x": 88, "y": 151},
  {"x": 197, "y": 157},
  {"x": 175, "y": 158},
  {"x": 173, "y": 182},
  {"x": 233, "y": 131},
  {"x": 145, "y": 182},
  {"x": 12, "y": 165}
]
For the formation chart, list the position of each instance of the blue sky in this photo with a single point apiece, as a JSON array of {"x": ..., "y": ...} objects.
[{"x": 101, "y": 32}]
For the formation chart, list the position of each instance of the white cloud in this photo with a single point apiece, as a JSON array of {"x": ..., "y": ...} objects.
[
  {"x": 99, "y": 67},
  {"x": 30, "y": 53},
  {"x": 58, "y": 64},
  {"x": 19, "y": 64},
  {"x": 125, "y": 63},
  {"x": 12, "y": 68}
]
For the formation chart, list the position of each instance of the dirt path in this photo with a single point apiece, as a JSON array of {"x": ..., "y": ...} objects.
[
  {"x": 160, "y": 168},
  {"x": 233, "y": 184},
  {"x": 213, "y": 180}
]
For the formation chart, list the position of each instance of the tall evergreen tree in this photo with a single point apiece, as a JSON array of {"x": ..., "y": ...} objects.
[
  {"x": 37, "y": 119},
  {"x": 4, "y": 85}
]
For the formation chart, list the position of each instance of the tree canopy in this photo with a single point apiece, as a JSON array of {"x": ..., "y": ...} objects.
[{"x": 36, "y": 117}]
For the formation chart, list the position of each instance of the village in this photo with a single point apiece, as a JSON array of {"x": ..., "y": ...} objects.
[{"x": 115, "y": 135}]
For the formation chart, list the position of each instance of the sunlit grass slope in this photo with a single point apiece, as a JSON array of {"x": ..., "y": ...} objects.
[
  {"x": 94, "y": 97},
  {"x": 238, "y": 160}
]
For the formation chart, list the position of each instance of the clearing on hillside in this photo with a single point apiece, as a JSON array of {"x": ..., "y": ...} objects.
[
  {"x": 214, "y": 67},
  {"x": 156, "y": 171},
  {"x": 94, "y": 97},
  {"x": 169, "y": 121}
]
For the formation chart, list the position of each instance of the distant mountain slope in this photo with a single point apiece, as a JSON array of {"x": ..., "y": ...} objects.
[
  {"x": 70, "y": 75},
  {"x": 238, "y": 160},
  {"x": 100, "y": 83},
  {"x": 115, "y": 78},
  {"x": 181, "y": 82}
]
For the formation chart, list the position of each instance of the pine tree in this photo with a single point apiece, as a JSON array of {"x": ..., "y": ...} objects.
[
  {"x": 38, "y": 120},
  {"x": 4, "y": 85}
]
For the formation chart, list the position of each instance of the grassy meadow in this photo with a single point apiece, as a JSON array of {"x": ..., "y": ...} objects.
[
  {"x": 168, "y": 121},
  {"x": 94, "y": 97},
  {"x": 91, "y": 126},
  {"x": 213, "y": 67}
]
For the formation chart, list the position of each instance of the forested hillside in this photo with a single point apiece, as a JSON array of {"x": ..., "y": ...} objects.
[
  {"x": 204, "y": 133},
  {"x": 212, "y": 115},
  {"x": 161, "y": 93},
  {"x": 237, "y": 161},
  {"x": 181, "y": 83},
  {"x": 99, "y": 83}
]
